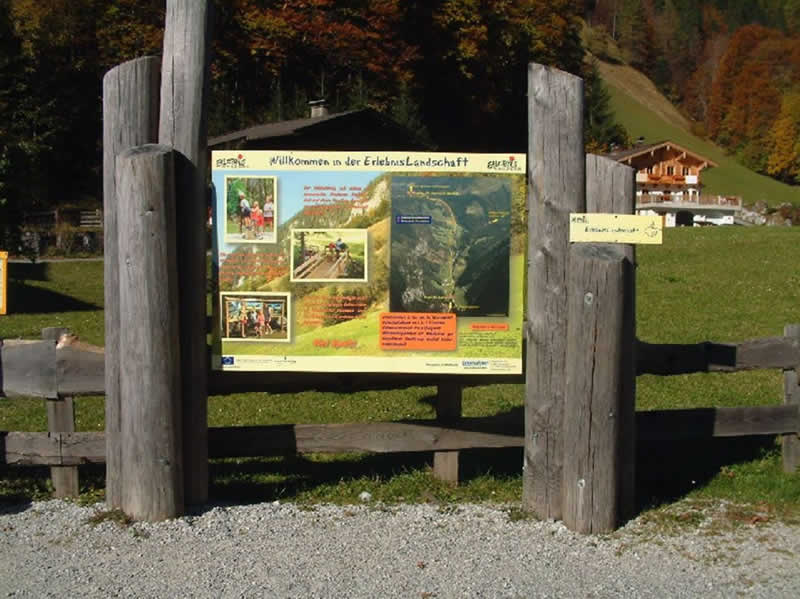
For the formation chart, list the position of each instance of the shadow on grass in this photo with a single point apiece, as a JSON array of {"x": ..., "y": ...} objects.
[
  {"x": 21, "y": 485},
  {"x": 29, "y": 271},
  {"x": 666, "y": 471},
  {"x": 249, "y": 480},
  {"x": 26, "y": 299},
  {"x": 669, "y": 470}
]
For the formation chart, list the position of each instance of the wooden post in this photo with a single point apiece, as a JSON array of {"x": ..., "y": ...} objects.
[
  {"x": 791, "y": 396},
  {"x": 130, "y": 118},
  {"x": 61, "y": 419},
  {"x": 599, "y": 362},
  {"x": 556, "y": 187},
  {"x": 611, "y": 188},
  {"x": 150, "y": 384},
  {"x": 448, "y": 411},
  {"x": 183, "y": 125}
]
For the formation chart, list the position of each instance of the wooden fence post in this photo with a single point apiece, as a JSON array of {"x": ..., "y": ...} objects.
[
  {"x": 448, "y": 411},
  {"x": 130, "y": 118},
  {"x": 556, "y": 187},
  {"x": 184, "y": 108},
  {"x": 599, "y": 362},
  {"x": 611, "y": 188},
  {"x": 791, "y": 396},
  {"x": 61, "y": 419},
  {"x": 150, "y": 384}
]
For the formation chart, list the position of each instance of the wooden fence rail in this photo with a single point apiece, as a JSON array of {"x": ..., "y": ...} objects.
[
  {"x": 45, "y": 369},
  {"x": 40, "y": 369},
  {"x": 71, "y": 449}
]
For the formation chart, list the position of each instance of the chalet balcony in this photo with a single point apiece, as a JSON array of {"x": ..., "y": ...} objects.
[
  {"x": 654, "y": 179},
  {"x": 693, "y": 200}
]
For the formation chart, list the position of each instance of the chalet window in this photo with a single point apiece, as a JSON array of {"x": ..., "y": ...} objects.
[
  {"x": 670, "y": 170},
  {"x": 649, "y": 170},
  {"x": 685, "y": 170}
]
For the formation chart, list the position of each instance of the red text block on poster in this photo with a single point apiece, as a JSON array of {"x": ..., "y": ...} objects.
[{"x": 418, "y": 331}]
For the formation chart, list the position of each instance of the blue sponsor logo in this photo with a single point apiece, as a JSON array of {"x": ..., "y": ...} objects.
[
  {"x": 481, "y": 364},
  {"x": 227, "y": 360},
  {"x": 412, "y": 219}
]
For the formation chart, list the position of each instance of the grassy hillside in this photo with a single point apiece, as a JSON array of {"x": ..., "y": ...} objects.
[{"x": 645, "y": 112}]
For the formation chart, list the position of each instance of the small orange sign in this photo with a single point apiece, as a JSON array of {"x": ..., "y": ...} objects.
[
  {"x": 425, "y": 331},
  {"x": 489, "y": 326}
]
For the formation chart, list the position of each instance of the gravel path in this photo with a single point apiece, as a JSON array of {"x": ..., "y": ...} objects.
[{"x": 49, "y": 549}]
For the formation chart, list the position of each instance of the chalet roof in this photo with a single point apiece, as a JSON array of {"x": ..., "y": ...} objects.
[
  {"x": 335, "y": 127},
  {"x": 278, "y": 129},
  {"x": 629, "y": 154}
]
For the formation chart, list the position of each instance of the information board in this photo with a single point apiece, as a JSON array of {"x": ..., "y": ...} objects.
[{"x": 369, "y": 261}]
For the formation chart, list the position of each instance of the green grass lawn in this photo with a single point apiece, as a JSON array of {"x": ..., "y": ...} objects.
[{"x": 721, "y": 284}]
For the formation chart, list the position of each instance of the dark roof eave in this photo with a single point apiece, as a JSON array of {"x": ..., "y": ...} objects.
[
  {"x": 627, "y": 155},
  {"x": 279, "y": 129}
]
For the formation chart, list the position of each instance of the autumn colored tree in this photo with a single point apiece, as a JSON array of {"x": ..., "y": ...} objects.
[
  {"x": 784, "y": 141},
  {"x": 452, "y": 70},
  {"x": 473, "y": 75},
  {"x": 127, "y": 29},
  {"x": 55, "y": 103},
  {"x": 275, "y": 56},
  {"x": 742, "y": 44}
]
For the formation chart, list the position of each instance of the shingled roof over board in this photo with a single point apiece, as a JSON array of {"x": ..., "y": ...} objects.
[
  {"x": 658, "y": 149},
  {"x": 364, "y": 129}
]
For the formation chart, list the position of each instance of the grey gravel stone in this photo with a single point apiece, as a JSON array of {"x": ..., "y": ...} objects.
[{"x": 49, "y": 549}]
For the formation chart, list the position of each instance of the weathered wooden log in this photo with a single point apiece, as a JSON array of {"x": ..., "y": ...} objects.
[
  {"x": 150, "y": 382},
  {"x": 80, "y": 369},
  {"x": 599, "y": 338},
  {"x": 448, "y": 411},
  {"x": 677, "y": 358},
  {"x": 61, "y": 419},
  {"x": 53, "y": 449},
  {"x": 377, "y": 437},
  {"x": 130, "y": 118},
  {"x": 707, "y": 423},
  {"x": 556, "y": 187},
  {"x": 611, "y": 189},
  {"x": 29, "y": 368},
  {"x": 791, "y": 397},
  {"x": 183, "y": 125}
]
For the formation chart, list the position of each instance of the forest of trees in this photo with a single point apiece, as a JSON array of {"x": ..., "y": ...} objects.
[
  {"x": 733, "y": 66},
  {"x": 452, "y": 71}
]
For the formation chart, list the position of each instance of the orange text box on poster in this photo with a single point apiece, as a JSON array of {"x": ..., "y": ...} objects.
[
  {"x": 489, "y": 326},
  {"x": 418, "y": 331}
]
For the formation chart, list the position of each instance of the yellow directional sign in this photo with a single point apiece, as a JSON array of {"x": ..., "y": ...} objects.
[{"x": 615, "y": 228}]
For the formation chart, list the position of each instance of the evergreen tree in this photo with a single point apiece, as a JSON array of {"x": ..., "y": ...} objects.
[{"x": 601, "y": 132}]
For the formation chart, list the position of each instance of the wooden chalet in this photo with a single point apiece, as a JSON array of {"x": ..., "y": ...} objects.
[
  {"x": 668, "y": 183},
  {"x": 357, "y": 130}
]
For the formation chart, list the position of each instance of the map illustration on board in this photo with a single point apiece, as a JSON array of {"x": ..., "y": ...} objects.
[{"x": 450, "y": 248}]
